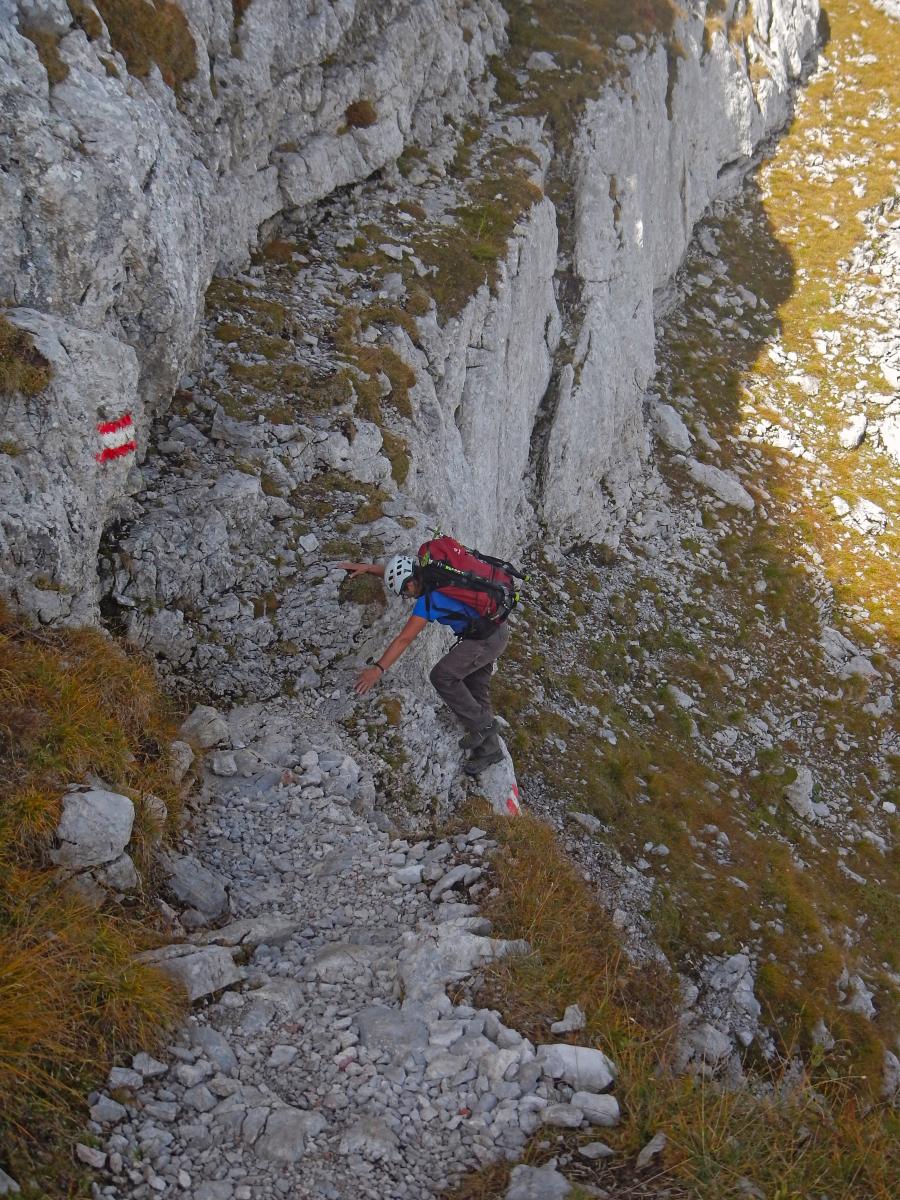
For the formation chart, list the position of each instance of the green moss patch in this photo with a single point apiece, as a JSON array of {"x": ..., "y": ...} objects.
[{"x": 293, "y": 382}]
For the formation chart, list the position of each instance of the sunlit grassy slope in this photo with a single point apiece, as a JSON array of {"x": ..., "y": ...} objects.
[{"x": 788, "y": 242}]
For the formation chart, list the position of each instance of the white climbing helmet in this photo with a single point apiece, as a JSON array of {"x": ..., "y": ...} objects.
[{"x": 399, "y": 569}]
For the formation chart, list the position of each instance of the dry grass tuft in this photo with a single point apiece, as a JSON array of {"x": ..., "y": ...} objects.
[
  {"x": 238, "y": 8},
  {"x": 363, "y": 590},
  {"x": 577, "y": 954},
  {"x": 71, "y": 997},
  {"x": 360, "y": 114},
  {"x": 296, "y": 384},
  {"x": 23, "y": 370},
  {"x": 468, "y": 254},
  {"x": 148, "y": 32},
  {"x": 397, "y": 452},
  {"x": 372, "y": 360},
  {"x": 46, "y": 42},
  {"x": 84, "y": 14}
]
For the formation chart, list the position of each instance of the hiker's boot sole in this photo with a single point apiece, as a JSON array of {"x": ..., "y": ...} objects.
[{"x": 476, "y": 765}]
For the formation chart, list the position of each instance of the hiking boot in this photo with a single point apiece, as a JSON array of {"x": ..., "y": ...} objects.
[
  {"x": 473, "y": 739},
  {"x": 487, "y": 754}
]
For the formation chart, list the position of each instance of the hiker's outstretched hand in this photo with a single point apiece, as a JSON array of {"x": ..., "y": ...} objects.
[
  {"x": 356, "y": 568},
  {"x": 367, "y": 679}
]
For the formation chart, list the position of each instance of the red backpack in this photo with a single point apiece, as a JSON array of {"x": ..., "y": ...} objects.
[{"x": 484, "y": 584}]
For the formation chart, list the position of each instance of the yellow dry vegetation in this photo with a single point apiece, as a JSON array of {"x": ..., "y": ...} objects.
[
  {"x": 72, "y": 703},
  {"x": 85, "y": 16},
  {"x": 151, "y": 32},
  {"x": 361, "y": 114},
  {"x": 374, "y": 359},
  {"x": 46, "y": 42}
]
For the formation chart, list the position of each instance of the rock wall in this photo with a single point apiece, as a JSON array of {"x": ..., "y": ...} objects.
[
  {"x": 121, "y": 195},
  {"x": 650, "y": 158}
]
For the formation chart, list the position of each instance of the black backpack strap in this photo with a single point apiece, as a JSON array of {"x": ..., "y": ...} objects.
[{"x": 508, "y": 568}]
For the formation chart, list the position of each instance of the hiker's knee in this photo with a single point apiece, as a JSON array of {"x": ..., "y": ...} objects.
[{"x": 440, "y": 677}]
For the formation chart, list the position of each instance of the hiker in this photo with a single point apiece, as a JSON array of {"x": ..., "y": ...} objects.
[{"x": 462, "y": 677}]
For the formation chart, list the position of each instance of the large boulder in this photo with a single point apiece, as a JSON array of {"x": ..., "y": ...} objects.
[
  {"x": 189, "y": 882},
  {"x": 499, "y": 786},
  {"x": 95, "y": 828},
  {"x": 205, "y": 727},
  {"x": 200, "y": 972},
  {"x": 582, "y": 1067}
]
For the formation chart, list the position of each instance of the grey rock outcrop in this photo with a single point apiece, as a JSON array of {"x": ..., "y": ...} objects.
[
  {"x": 95, "y": 827},
  {"x": 266, "y": 127}
]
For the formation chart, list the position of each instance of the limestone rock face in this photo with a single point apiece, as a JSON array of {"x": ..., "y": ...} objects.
[
  {"x": 125, "y": 195},
  {"x": 487, "y": 372},
  {"x": 53, "y": 489},
  {"x": 650, "y": 158}
]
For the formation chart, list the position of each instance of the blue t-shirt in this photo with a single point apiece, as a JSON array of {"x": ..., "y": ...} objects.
[{"x": 446, "y": 610}]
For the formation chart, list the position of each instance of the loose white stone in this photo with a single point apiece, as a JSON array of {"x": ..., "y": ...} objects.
[
  {"x": 852, "y": 435},
  {"x": 562, "y": 1116},
  {"x": 723, "y": 485},
  {"x": 91, "y": 1156},
  {"x": 671, "y": 428},
  {"x": 598, "y": 1110},
  {"x": 573, "y": 1019},
  {"x": 205, "y": 727}
]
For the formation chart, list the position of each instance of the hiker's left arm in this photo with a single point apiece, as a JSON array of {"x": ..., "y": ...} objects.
[{"x": 370, "y": 676}]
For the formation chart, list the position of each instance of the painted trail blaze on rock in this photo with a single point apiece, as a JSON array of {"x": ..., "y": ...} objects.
[{"x": 116, "y": 438}]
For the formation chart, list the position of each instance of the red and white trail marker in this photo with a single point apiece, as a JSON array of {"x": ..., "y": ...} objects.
[{"x": 116, "y": 438}]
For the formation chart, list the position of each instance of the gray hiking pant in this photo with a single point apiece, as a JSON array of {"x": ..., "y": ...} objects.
[{"x": 462, "y": 678}]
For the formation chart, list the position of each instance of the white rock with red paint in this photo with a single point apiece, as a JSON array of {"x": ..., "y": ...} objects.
[
  {"x": 57, "y": 491},
  {"x": 499, "y": 786}
]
